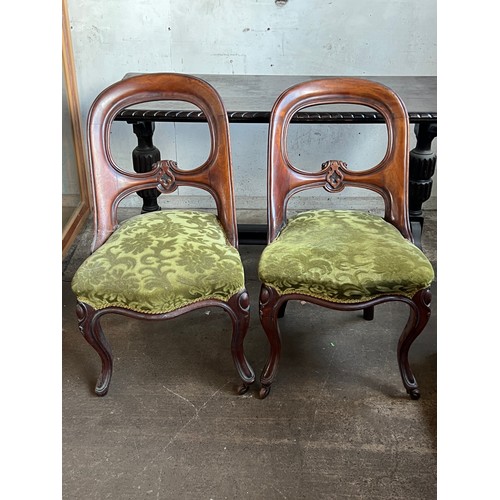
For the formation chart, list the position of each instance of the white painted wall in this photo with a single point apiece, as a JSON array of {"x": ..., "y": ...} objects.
[{"x": 305, "y": 37}]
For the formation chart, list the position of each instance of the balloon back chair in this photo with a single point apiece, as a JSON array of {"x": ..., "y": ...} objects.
[
  {"x": 162, "y": 264},
  {"x": 342, "y": 259}
]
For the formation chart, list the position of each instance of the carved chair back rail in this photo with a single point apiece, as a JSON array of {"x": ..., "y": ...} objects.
[
  {"x": 388, "y": 178},
  {"x": 214, "y": 175}
]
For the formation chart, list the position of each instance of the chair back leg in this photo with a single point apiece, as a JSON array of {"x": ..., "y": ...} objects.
[{"x": 368, "y": 313}]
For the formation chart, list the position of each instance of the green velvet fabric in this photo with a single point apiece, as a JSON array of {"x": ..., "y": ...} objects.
[
  {"x": 343, "y": 256},
  {"x": 158, "y": 262}
]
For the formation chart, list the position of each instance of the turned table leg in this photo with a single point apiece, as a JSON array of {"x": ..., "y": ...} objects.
[
  {"x": 143, "y": 158},
  {"x": 422, "y": 167}
]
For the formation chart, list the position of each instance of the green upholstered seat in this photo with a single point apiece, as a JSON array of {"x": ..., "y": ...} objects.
[
  {"x": 343, "y": 256},
  {"x": 155, "y": 263}
]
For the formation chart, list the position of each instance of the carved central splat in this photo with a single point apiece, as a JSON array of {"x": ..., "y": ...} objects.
[
  {"x": 335, "y": 170},
  {"x": 165, "y": 176}
]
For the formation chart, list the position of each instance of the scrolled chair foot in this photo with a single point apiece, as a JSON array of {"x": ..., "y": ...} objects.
[
  {"x": 242, "y": 389},
  {"x": 414, "y": 394},
  {"x": 102, "y": 385},
  {"x": 264, "y": 391}
]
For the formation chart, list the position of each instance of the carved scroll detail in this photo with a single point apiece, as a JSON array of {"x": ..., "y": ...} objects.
[
  {"x": 82, "y": 315},
  {"x": 244, "y": 302},
  {"x": 165, "y": 176},
  {"x": 265, "y": 297},
  {"x": 335, "y": 170}
]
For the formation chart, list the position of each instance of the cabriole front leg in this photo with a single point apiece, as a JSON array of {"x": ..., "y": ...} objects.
[
  {"x": 90, "y": 328},
  {"x": 268, "y": 312},
  {"x": 240, "y": 307},
  {"x": 419, "y": 316}
]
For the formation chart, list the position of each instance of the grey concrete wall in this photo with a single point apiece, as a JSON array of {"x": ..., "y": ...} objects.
[{"x": 315, "y": 37}]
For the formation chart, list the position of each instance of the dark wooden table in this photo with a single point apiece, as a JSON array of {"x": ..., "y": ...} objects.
[{"x": 249, "y": 99}]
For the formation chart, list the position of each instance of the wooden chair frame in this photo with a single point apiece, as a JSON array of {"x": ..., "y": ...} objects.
[
  {"x": 110, "y": 184},
  {"x": 389, "y": 178}
]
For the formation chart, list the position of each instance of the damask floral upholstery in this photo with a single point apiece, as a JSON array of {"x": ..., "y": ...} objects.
[
  {"x": 343, "y": 256},
  {"x": 155, "y": 263}
]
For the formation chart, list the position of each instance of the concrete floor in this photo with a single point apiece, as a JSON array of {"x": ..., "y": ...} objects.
[{"x": 337, "y": 423}]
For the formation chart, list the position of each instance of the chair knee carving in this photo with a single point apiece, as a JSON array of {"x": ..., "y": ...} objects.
[
  {"x": 342, "y": 259},
  {"x": 159, "y": 265}
]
